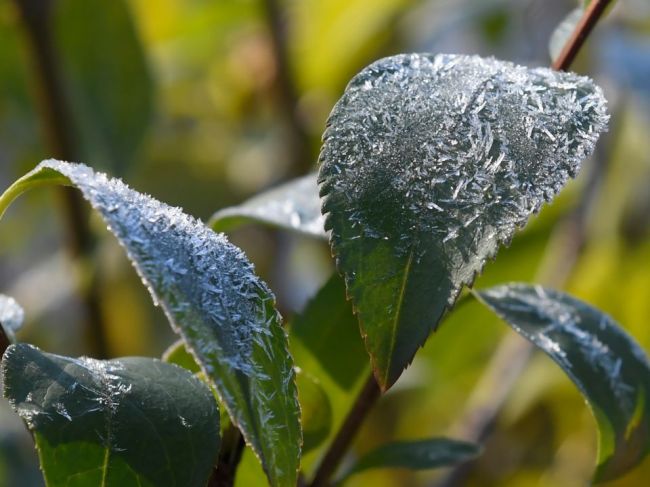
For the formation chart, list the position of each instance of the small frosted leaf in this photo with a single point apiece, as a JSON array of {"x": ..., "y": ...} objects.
[
  {"x": 11, "y": 316},
  {"x": 130, "y": 421},
  {"x": 605, "y": 363},
  {"x": 292, "y": 206},
  {"x": 563, "y": 31},
  {"x": 429, "y": 163},
  {"x": 209, "y": 291}
]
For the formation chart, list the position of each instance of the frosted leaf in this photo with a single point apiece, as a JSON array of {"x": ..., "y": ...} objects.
[
  {"x": 606, "y": 364},
  {"x": 209, "y": 291},
  {"x": 291, "y": 206},
  {"x": 130, "y": 421},
  {"x": 563, "y": 31},
  {"x": 11, "y": 316},
  {"x": 428, "y": 164}
]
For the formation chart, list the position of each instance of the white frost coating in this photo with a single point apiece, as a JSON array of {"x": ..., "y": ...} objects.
[
  {"x": 563, "y": 328},
  {"x": 213, "y": 299},
  {"x": 456, "y": 151},
  {"x": 11, "y": 316}
]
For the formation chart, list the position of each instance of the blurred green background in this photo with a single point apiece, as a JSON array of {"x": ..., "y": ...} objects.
[{"x": 204, "y": 103}]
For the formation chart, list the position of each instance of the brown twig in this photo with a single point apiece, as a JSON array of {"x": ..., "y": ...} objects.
[
  {"x": 587, "y": 23},
  {"x": 36, "y": 16},
  {"x": 366, "y": 399},
  {"x": 232, "y": 449}
]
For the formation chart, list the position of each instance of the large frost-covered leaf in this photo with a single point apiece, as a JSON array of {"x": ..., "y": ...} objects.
[
  {"x": 292, "y": 206},
  {"x": 418, "y": 455},
  {"x": 429, "y": 163},
  {"x": 128, "y": 422},
  {"x": 606, "y": 364},
  {"x": 11, "y": 317},
  {"x": 213, "y": 299}
]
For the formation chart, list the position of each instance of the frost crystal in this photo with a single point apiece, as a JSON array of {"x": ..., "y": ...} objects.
[{"x": 459, "y": 150}]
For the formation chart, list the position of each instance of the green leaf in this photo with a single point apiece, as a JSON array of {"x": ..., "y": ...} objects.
[
  {"x": 108, "y": 83},
  {"x": 429, "y": 164},
  {"x": 563, "y": 32},
  {"x": 225, "y": 314},
  {"x": 329, "y": 330},
  {"x": 293, "y": 206},
  {"x": 605, "y": 363},
  {"x": 418, "y": 455},
  {"x": 11, "y": 317},
  {"x": 316, "y": 411},
  {"x": 128, "y": 422}
]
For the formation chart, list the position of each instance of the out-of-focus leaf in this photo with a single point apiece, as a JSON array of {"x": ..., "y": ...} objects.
[
  {"x": 213, "y": 299},
  {"x": 429, "y": 163},
  {"x": 563, "y": 32},
  {"x": 11, "y": 316},
  {"x": 316, "y": 411},
  {"x": 109, "y": 85},
  {"x": 131, "y": 421},
  {"x": 606, "y": 364},
  {"x": 418, "y": 455},
  {"x": 292, "y": 206},
  {"x": 329, "y": 330}
]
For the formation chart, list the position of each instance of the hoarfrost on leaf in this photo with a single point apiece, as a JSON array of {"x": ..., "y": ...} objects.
[
  {"x": 430, "y": 162},
  {"x": 606, "y": 364},
  {"x": 209, "y": 291}
]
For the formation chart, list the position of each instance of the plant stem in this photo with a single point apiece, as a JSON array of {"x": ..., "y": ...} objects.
[
  {"x": 587, "y": 23},
  {"x": 366, "y": 399},
  {"x": 231, "y": 452},
  {"x": 36, "y": 16},
  {"x": 301, "y": 154}
]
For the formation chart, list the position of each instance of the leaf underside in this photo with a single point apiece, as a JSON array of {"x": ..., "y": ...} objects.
[
  {"x": 292, "y": 206},
  {"x": 429, "y": 163},
  {"x": 127, "y": 422},
  {"x": 605, "y": 363},
  {"x": 209, "y": 291}
]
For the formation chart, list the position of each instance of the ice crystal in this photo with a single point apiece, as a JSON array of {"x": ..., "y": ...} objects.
[{"x": 457, "y": 149}]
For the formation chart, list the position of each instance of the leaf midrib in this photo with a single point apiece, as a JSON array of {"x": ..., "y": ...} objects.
[{"x": 396, "y": 319}]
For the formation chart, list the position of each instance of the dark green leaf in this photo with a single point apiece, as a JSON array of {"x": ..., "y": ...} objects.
[
  {"x": 606, "y": 364},
  {"x": 292, "y": 206},
  {"x": 316, "y": 410},
  {"x": 418, "y": 455},
  {"x": 429, "y": 163},
  {"x": 133, "y": 421},
  {"x": 329, "y": 330},
  {"x": 225, "y": 314},
  {"x": 107, "y": 78},
  {"x": 11, "y": 317}
]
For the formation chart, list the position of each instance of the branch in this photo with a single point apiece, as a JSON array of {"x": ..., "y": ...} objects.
[
  {"x": 583, "y": 29},
  {"x": 366, "y": 399}
]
